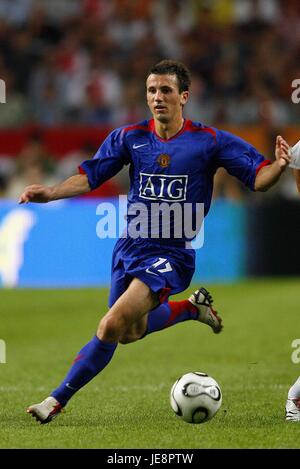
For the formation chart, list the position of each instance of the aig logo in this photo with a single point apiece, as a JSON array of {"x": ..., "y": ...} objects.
[{"x": 163, "y": 187}]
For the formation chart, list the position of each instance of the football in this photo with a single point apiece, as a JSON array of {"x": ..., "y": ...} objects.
[{"x": 196, "y": 397}]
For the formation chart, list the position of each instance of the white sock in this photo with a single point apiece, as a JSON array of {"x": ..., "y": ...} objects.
[{"x": 294, "y": 392}]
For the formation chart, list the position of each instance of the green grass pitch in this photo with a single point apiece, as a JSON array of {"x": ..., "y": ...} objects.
[{"x": 127, "y": 405}]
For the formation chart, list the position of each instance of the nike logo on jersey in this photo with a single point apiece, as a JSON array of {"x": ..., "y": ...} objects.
[{"x": 135, "y": 146}]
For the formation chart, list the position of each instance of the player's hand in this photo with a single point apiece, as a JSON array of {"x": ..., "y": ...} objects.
[
  {"x": 282, "y": 152},
  {"x": 36, "y": 193}
]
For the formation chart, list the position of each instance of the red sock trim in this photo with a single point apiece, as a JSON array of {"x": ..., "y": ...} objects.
[
  {"x": 178, "y": 307},
  {"x": 76, "y": 359}
]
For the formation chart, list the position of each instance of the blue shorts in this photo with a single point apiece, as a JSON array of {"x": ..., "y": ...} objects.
[{"x": 165, "y": 269}]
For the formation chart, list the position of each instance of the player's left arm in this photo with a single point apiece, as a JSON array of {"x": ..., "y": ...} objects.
[
  {"x": 270, "y": 174},
  {"x": 297, "y": 177}
]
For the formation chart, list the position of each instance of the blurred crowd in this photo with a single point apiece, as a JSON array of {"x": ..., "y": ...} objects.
[{"x": 85, "y": 61}]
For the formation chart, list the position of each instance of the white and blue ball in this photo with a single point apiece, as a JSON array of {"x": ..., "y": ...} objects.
[{"x": 196, "y": 397}]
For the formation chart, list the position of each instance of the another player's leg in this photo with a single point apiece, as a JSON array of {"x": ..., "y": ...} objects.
[
  {"x": 198, "y": 307},
  {"x": 135, "y": 302},
  {"x": 292, "y": 407}
]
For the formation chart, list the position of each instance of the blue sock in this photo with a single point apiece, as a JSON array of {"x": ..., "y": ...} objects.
[
  {"x": 170, "y": 313},
  {"x": 92, "y": 358}
]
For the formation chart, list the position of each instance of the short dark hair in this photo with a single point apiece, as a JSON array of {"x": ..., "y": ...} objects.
[{"x": 172, "y": 67}]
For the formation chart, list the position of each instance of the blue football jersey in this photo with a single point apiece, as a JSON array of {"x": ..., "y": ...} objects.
[{"x": 177, "y": 170}]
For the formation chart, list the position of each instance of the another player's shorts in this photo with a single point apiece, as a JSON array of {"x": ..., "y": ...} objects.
[{"x": 165, "y": 269}]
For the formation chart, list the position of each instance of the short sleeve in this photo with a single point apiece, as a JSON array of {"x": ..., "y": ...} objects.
[
  {"x": 239, "y": 158},
  {"x": 110, "y": 158}
]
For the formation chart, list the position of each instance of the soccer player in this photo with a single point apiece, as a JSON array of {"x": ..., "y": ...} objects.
[
  {"x": 172, "y": 159},
  {"x": 292, "y": 407}
]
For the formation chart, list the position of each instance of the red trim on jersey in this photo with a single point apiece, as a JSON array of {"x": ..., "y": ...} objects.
[
  {"x": 262, "y": 164},
  {"x": 137, "y": 127},
  {"x": 81, "y": 170},
  {"x": 187, "y": 127},
  {"x": 194, "y": 128}
]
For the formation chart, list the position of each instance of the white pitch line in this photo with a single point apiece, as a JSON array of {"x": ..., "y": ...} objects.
[{"x": 150, "y": 388}]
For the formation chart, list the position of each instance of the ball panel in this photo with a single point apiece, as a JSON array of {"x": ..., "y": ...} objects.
[{"x": 200, "y": 415}]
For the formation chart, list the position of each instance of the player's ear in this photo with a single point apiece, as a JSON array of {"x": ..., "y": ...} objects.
[{"x": 184, "y": 97}]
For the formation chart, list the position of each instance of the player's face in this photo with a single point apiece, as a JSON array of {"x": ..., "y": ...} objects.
[{"x": 163, "y": 97}]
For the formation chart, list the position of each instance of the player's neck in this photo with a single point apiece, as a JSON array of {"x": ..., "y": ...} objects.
[{"x": 170, "y": 129}]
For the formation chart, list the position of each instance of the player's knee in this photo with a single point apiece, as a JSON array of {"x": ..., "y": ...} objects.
[{"x": 110, "y": 329}]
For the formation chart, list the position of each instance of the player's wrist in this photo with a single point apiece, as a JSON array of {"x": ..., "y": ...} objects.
[
  {"x": 280, "y": 165},
  {"x": 52, "y": 194}
]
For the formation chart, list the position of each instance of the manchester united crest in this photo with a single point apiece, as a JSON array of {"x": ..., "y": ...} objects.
[{"x": 163, "y": 160}]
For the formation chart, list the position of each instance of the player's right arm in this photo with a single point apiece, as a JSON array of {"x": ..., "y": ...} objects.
[
  {"x": 71, "y": 187},
  {"x": 107, "y": 162},
  {"x": 297, "y": 177}
]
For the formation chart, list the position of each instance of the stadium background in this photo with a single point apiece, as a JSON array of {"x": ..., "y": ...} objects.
[{"x": 74, "y": 70}]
